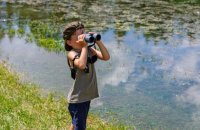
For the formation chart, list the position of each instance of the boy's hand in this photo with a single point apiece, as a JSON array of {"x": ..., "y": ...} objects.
[{"x": 81, "y": 40}]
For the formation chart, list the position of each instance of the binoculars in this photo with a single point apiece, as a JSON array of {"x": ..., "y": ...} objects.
[{"x": 91, "y": 38}]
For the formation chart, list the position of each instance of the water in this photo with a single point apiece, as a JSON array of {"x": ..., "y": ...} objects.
[
  {"x": 46, "y": 68},
  {"x": 152, "y": 79}
]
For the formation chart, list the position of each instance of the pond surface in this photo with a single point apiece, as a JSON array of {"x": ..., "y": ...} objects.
[{"x": 152, "y": 80}]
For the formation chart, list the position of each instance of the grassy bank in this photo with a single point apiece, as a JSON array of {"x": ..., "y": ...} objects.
[{"x": 23, "y": 107}]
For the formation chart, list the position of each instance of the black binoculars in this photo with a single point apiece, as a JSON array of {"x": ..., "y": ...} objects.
[{"x": 90, "y": 38}]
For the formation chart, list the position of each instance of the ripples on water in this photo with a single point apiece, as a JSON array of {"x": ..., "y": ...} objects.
[{"x": 152, "y": 79}]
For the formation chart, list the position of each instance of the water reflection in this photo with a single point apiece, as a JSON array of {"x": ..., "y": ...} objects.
[
  {"x": 152, "y": 78},
  {"x": 120, "y": 65},
  {"x": 188, "y": 68},
  {"x": 166, "y": 76},
  {"x": 48, "y": 69},
  {"x": 151, "y": 85}
]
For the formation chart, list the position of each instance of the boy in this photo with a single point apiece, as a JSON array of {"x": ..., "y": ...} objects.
[{"x": 81, "y": 59}]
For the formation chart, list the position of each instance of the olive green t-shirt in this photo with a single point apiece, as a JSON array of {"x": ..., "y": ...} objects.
[{"x": 84, "y": 87}]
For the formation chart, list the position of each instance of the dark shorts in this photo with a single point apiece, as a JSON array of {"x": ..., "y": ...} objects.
[{"x": 79, "y": 112}]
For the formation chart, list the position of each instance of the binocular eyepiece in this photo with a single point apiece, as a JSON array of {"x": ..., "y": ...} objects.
[{"x": 91, "y": 38}]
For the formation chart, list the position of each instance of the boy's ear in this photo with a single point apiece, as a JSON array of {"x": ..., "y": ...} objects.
[{"x": 69, "y": 42}]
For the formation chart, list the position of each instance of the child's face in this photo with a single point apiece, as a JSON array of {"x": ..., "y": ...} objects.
[
  {"x": 78, "y": 32},
  {"x": 74, "y": 37}
]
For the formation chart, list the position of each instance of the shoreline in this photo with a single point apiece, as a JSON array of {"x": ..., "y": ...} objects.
[{"x": 25, "y": 107}]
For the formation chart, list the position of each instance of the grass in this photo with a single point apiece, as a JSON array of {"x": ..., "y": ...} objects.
[{"x": 22, "y": 107}]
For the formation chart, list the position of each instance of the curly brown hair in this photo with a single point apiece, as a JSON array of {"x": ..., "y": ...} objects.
[{"x": 69, "y": 30}]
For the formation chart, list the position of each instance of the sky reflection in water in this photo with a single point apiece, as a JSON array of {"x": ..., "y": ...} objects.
[
  {"x": 162, "y": 77},
  {"x": 167, "y": 74}
]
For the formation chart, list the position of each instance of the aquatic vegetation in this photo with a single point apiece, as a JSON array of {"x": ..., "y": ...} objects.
[
  {"x": 46, "y": 35},
  {"x": 158, "y": 19},
  {"x": 20, "y": 32},
  {"x": 49, "y": 43},
  {"x": 43, "y": 34},
  {"x": 1, "y": 32},
  {"x": 11, "y": 32},
  {"x": 185, "y": 1}
]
